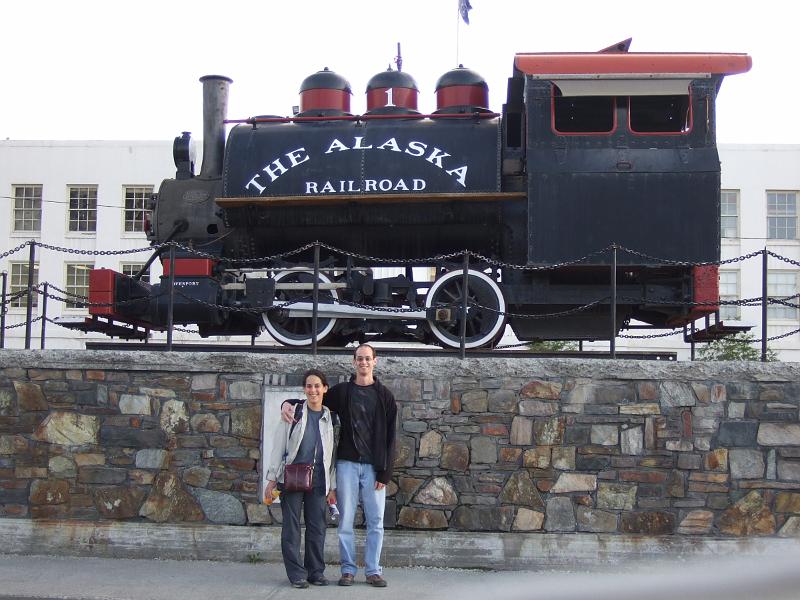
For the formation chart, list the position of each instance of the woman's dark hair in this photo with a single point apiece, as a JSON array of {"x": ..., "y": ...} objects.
[{"x": 316, "y": 372}]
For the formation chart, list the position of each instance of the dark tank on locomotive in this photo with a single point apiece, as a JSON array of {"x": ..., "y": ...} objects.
[{"x": 595, "y": 160}]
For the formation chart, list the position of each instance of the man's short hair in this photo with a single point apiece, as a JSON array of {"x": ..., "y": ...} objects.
[{"x": 355, "y": 352}]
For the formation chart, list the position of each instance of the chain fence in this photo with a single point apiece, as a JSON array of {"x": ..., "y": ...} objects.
[{"x": 18, "y": 298}]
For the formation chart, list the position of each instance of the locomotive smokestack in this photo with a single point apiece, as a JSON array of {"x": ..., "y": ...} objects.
[{"x": 215, "y": 108}]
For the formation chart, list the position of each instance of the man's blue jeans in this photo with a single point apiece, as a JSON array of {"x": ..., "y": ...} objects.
[{"x": 353, "y": 480}]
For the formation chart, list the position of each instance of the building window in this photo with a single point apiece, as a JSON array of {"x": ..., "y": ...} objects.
[
  {"x": 782, "y": 285},
  {"x": 136, "y": 199},
  {"x": 729, "y": 211},
  {"x": 131, "y": 269},
  {"x": 729, "y": 290},
  {"x": 77, "y": 286},
  {"x": 27, "y": 208},
  {"x": 782, "y": 215},
  {"x": 18, "y": 284},
  {"x": 83, "y": 208}
]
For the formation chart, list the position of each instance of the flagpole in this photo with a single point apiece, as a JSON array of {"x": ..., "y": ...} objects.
[{"x": 458, "y": 31}]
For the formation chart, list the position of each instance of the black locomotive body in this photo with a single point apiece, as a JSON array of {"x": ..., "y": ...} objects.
[{"x": 593, "y": 155}]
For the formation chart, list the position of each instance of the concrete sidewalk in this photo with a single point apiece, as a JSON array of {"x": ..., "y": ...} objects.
[{"x": 76, "y": 578}]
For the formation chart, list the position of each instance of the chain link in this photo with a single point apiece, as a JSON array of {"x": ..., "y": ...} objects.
[
  {"x": 97, "y": 252},
  {"x": 17, "y": 249},
  {"x": 652, "y": 336},
  {"x": 783, "y": 258}
]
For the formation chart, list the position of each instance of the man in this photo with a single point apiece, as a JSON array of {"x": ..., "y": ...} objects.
[{"x": 365, "y": 458}]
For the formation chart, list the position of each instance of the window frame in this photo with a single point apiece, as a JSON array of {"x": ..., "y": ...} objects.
[
  {"x": 772, "y": 293},
  {"x": 134, "y": 268},
  {"x": 16, "y": 209},
  {"x": 736, "y": 309},
  {"x": 13, "y": 288},
  {"x": 556, "y": 131},
  {"x": 777, "y": 193},
  {"x": 147, "y": 192},
  {"x": 737, "y": 202},
  {"x": 70, "y": 210},
  {"x": 70, "y": 287}
]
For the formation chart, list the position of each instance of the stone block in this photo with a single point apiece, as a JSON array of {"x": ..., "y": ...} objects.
[
  {"x": 536, "y": 458},
  {"x": 68, "y": 429},
  {"x": 134, "y": 404},
  {"x": 595, "y": 521},
  {"x": 749, "y": 516},
  {"x": 422, "y": 518},
  {"x": 560, "y": 514},
  {"x": 220, "y": 507},
  {"x": 101, "y": 475},
  {"x": 648, "y": 523},
  {"x": 690, "y": 462},
  {"x": 528, "y": 520},
  {"x": 455, "y": 456},
  {"x": 118, "y": 502},
  {"x": 605, "y": 435},
  {"x": 738, "y": 433},
  {"x": 475, "y": 401},
  {"x": 538, "y": 408},
  {"x": 131, "y": 437},
  {"x": 632, "y": 440},
  {"x": 521, "y": 431},
  {"x": 174, "y": 417},
  {"x": 549, "y": 432},
  {"x": 151, "y": 458},
  {"x": 788, "y": 470},
  {"x": 438, "y": 492},
  {"x": 545, "y": 390},
  {"x": 563, "y": 458},
  {"x": 49, "y": 491},
  {"x": 483, "y": 450},
  {"x": 746, "y": 463},
  {"x": 791, "y": 528},
  {"x": 258, "y": 514},
  {"x": 205, "y": 423},
  {"x": 520, "y": 490},
  {"x": 646, "y": 408},
  {"x": 246, "y": 422},
  {"x": 244, "y": 390},
  {"x": 574, "y": 482},
  {"x": 696, "y": 522},
  {"x": 616, "y": 496},
  {"x": 502, "y": 401},
  {"x": 675, "y": 394},
  {"x": 430, "y": 445},
  {"x": 779, "y": 434},
  {"x": 30, "y": 397}
]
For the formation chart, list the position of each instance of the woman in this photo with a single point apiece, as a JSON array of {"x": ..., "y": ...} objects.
[{"x": 310, "y": 440}]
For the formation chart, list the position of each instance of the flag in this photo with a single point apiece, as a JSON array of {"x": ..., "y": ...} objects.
[{"x": 463, "y": 8}]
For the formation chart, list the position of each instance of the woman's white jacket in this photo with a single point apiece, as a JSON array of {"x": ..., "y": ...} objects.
[{"x": 285, "y": 448}]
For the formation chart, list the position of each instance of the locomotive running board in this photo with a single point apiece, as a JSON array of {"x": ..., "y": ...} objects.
[{"x": 338, "y": 311}]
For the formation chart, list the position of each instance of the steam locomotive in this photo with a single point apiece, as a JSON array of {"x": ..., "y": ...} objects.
[{"x": 591, "y": 151}]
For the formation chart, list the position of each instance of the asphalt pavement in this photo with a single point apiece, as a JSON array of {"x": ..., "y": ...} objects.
[{"x": 81, "y": 578}]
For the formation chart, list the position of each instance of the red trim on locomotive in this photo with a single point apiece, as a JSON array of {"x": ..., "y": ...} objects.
[
  {"x": 190, "y": 267},
  {"x": 324, "y": 99},
  {"x": 402, "y": 97},
  {"x": 462, "y": 95},
  {"x": 101, "y": 291},
  {"x": 633, "y": 63},
  {"x": 705, "y": 283}
]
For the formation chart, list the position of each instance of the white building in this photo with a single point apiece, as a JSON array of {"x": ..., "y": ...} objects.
[{"x": 90, "y": 195}]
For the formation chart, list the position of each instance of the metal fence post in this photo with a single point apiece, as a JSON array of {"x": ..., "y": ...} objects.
[
  {"x": 4, "y": 276},
  {"x": 171, "y": 294},
  {"x": 465, "y": 292},
  {"x": 29, "y": 308},
  {"x": 44, "y": 314},
  {"x": 613, "y": 344},
  {"x": 764, "y": 299},
  {"x": 315, "y": 301}
]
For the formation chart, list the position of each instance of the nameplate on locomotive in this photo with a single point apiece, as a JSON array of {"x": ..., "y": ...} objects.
[{"x": 346, "y": 158}]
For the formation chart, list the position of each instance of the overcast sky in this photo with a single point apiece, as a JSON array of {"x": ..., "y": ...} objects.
[{"x": 102, "y": 69}]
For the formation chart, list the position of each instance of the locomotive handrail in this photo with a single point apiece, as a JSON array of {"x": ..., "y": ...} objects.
[
  {"x": 365, "y": 117},
  {"x": 333, "y": 199}
]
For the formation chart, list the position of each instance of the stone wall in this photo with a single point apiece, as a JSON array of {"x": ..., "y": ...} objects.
[{"x": 526, "y": 445}]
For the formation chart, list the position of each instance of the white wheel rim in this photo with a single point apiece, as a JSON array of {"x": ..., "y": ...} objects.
[
  {"x": 288, "y": 341},
  {"x": 501, "y": 308}
]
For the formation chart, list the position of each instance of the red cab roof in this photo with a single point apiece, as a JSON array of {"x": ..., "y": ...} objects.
[{"x": 574, "y": 63}]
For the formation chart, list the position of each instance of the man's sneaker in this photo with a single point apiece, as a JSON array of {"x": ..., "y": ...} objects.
[
  {"x": 376, "y": 581},
  {"x": 346, "y": 579}
]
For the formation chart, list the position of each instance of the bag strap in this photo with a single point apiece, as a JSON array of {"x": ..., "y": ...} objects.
[{"x": 298, "y": 414}]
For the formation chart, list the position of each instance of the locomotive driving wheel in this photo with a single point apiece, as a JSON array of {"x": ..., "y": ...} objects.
[
  {"x": 485, "y": 308},
  {"x": 297, "y": 331}
]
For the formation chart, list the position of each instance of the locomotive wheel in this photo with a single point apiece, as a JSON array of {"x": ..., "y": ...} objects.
[
  {"x": 483, "y": 326},
  {"x": 296, "y": 331}
]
